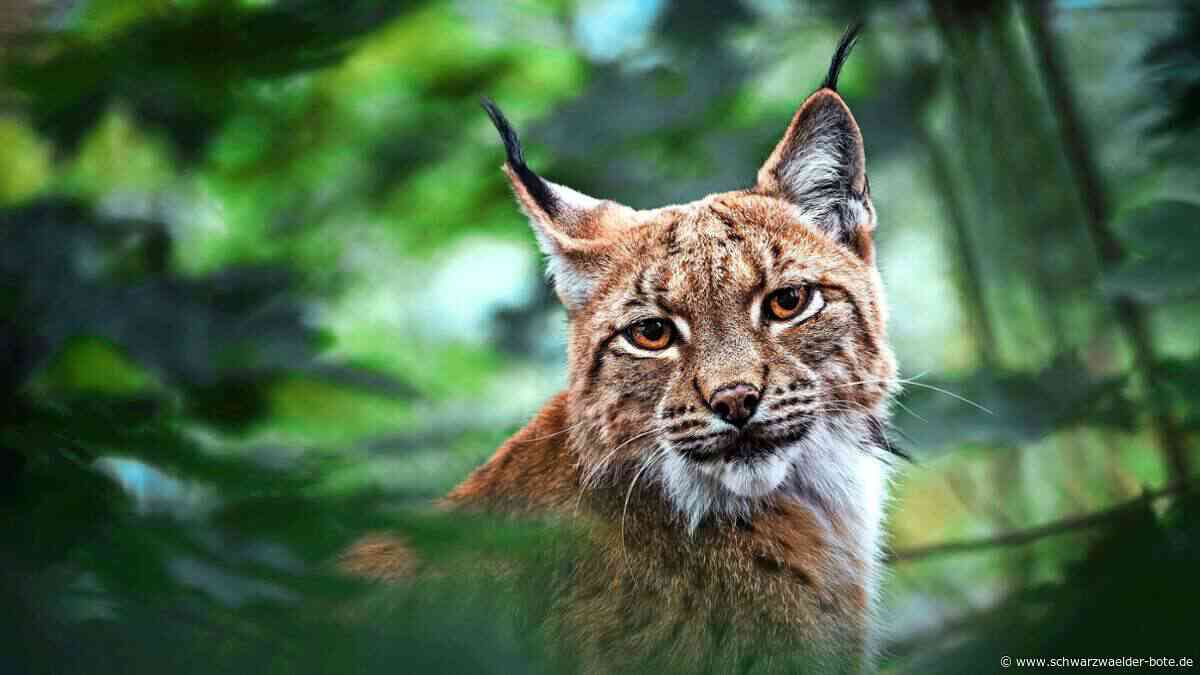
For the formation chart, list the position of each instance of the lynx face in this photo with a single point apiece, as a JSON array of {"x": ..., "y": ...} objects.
[
  {"x": 732, "y": 348},
  {"x": 728, "y": 344}
]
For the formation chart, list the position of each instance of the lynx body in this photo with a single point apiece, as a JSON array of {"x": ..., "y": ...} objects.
[{"x": 721, "y": 436}]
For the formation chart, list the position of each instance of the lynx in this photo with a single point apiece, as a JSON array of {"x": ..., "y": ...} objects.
[{"x": 722, "y": 430}]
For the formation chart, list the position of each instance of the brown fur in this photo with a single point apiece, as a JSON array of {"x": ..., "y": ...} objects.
[
  {"x": 650, "y": 589},
  {"x": 384, "y": 557}
]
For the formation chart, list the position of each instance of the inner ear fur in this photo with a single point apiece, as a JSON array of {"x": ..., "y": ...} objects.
[
  {"x": 822, "y": 143},
  {"x": 569, "y": 225},
  {"x": 820, "y": 163}
]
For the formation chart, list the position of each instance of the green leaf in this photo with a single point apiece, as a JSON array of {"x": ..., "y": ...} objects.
[
  {"x": 1010, "y": 408},
  {"x": 1165, "y": 240}
]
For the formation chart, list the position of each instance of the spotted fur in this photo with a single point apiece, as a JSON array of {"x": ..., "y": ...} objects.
[{"x": 752, "y": 548}]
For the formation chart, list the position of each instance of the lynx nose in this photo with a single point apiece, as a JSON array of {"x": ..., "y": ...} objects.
[{"x": 735, "y": 403}]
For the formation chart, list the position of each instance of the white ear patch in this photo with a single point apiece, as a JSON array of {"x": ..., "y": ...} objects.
[
  {"x": 818, "y": 164},
  {"x": 571, "y": 200},
  {"x": 820, "y": 167},
  {"x": 572, "y": 284},
  {"x": 572, "y": 281},
  {"x": 559, "y": 215}
]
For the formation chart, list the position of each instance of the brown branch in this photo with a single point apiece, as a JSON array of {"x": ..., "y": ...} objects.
[{"x": 1030, "y": 535}]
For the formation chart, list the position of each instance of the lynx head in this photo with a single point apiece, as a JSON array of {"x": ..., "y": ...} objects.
[{"x": 733, "y": 348}]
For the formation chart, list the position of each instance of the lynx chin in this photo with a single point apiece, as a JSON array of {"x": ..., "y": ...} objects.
[{"x": 721, "y": 437}]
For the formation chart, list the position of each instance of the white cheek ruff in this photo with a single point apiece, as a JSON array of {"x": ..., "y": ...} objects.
[
  {"x": 724, "y": 489},
  {"x": 839, "y": 468},
  {"x": 832, "y": 465},
  {"x": 752, "y": 479},
  {"x": 693, "y": 493}
]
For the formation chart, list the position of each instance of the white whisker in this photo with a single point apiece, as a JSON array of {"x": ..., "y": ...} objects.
[
  {"x": 629, "y": 494},
  {"x": 603, "y": 463},
  {"x": 909, "y": 411},
  {"x": 914, "y": 383},
  {"x": 950, "y": 394},
  {"x": 556, "y": 433}
]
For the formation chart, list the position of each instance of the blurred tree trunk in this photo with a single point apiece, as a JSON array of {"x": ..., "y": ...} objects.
[
  {"x": 992, "y": 88},
  {"x": 970, "y": 276},
  {"x": 1007, "y": 202},
  {"x": 1097, "y": 207}
]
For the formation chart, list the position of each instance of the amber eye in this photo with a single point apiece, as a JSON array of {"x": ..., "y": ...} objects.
[
  {"x": 652, "y": 334},
  {"x": 786, "y": 303}
]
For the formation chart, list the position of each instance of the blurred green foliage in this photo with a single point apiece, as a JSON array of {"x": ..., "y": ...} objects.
[{"x": 263, "y": 290}]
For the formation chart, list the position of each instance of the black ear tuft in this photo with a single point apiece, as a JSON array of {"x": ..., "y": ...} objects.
[
  {"x": 538, "y": 189},
  {"x": 512, "y": 144},
  {"x": 842, "y": 53}
]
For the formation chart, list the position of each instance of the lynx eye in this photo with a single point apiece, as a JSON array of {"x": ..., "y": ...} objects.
[
  {"x": 786, "y": 303},
  {"x": 651, "y": 334}
]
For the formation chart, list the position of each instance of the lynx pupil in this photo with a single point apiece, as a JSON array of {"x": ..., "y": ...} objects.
[
  {"x": 786, "y": 303},
  {"x": 652, "y": 334}
]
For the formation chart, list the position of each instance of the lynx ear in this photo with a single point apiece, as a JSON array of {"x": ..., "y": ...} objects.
[
  {"x": 568, "y": 224},
  {"x": 820, "y": 166}
]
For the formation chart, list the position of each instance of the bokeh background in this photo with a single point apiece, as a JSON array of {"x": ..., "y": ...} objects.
[{"x": 263, "y": 288}]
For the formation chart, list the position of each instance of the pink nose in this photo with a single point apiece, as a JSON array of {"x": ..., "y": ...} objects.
[{"x": 735, "y": 403}]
